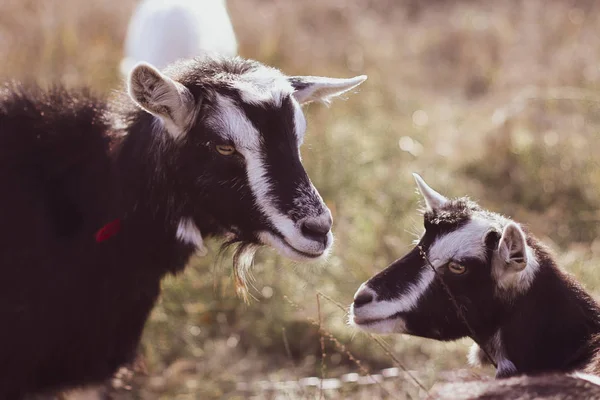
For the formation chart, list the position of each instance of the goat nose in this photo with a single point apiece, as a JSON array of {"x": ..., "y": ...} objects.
[
  {"x": 317, "y": 228},
  {"x": 362, "y": 297}
]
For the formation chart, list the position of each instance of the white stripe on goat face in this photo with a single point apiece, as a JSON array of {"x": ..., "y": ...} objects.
[
  {"x": 267, "y": 86},
  {"x": 467, "y": 241},
  {"x": 299, "y": 121},
  {"x": 263, "y": 85},
  {"x": 232, "y": 124}
]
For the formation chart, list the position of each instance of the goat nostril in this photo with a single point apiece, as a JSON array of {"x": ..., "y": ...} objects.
[
  {"x": 316, "y": 229},
  {"x": 363, "y": 298}
]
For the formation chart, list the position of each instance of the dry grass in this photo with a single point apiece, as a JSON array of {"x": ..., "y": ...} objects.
[{"x": 492, "y": 99}]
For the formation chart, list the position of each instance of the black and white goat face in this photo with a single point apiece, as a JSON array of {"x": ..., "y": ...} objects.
[
  {"x": 481, "y": 258},
  {"x": 236, "y": 127}
]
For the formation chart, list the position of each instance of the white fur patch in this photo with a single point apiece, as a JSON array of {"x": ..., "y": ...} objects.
[
  {"x": 263, "y": 85},
  {"x": 188, "y": 232},
  {"x": 299, "y": 121},
  {"x": 231, "y": 123},
  {"x": 466, "y": 242},
  {"x": 474, "y": 357},
  {"x": 586, "y": 377},
  {"x": 268, "y": 85}
]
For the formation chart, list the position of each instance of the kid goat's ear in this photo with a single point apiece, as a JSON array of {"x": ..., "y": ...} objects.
[
  {"x": 433, "y": 200},
  {"x": 318, "y": 88},
  {"x": 163, "y": 97},
  {"x": 512, "y": 248}
]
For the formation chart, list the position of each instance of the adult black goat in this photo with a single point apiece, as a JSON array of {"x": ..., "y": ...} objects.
[{"x": 101, "y": 199}]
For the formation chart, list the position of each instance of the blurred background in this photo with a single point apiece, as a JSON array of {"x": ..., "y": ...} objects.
[{"x": 495, "y": 100}]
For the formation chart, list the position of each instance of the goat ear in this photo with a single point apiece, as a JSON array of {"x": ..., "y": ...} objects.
[
  {"x": 318, "y": 88},
  {"x": 163, "y": 97},
  {"x": 433, "y": 200},
  {"x": 512, "y": 248}
]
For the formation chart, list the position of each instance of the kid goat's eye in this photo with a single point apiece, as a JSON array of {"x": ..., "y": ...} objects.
[
  {"x": 225, "y": 149},
  {"x": 456, "y": 268}
]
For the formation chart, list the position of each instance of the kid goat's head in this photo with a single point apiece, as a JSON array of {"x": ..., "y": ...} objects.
[
  {"x": 233, "y": 129},
  {"x": 483, "y": 259}
]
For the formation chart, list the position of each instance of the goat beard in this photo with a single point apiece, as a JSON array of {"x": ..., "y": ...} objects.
[{"x": 243, "y": 259}]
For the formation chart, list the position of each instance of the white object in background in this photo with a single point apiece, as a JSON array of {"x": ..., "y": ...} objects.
[{"x": 163, "y": 31}]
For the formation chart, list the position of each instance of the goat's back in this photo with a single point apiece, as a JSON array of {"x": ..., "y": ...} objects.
[
  {"x": 62, "y": 295},
  {"x": 55, "y": 170}
]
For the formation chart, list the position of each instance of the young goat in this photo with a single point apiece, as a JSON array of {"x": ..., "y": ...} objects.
[
  {"x": 162, "y": 32},
  {"x": 101, "y": 200},
  {"x": 476, "y": 273}
]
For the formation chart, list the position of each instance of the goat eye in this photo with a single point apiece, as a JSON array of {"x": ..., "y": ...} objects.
[
  {"x": 225, "y": 149},
  {"x": 456, "y": 268}
]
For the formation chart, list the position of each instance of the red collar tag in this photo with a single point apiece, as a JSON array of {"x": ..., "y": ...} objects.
[{"x": 108, "y": 230}]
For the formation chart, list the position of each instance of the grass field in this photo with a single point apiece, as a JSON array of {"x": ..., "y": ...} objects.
[{"x": 495, "y": 100}]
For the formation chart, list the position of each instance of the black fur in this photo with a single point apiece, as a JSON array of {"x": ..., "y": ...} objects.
[
  {"x": 72, "y": 309},
  {"x": 551, "y": 327}
]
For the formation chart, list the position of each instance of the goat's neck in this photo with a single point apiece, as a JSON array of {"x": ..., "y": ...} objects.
[
  {"x": 548, "y": 328},
  {"x": 151, "y": 205}
]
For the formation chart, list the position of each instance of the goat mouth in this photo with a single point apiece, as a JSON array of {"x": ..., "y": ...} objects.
[
  {"x": 302, "y": 253},
  {"x": 370, "y": 321},
  {"x": 278, "y": 242},
  {"x": 392, "y": 324}
]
